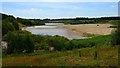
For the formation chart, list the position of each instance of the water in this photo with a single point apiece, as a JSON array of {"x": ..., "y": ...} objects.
[
  {"x": 42, "y": 27},
  {"x": 53, "y": 30},
  {"x": 54, "y": 24}
]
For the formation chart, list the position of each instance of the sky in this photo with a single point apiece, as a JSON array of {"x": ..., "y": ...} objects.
[
  {"x": 59, "y": 0},
  {"x": 42, "y": 10}
]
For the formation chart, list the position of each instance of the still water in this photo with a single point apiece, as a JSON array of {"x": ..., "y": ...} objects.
[{"x": 53, "y": 30}]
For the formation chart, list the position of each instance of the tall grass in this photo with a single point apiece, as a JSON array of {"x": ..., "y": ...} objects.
[{"x": 107, "y": 56}]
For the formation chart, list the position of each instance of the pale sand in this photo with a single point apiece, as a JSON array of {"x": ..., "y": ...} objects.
[
  {"x": 100, "y": 29},
  {"x": 81, "y": 30}
]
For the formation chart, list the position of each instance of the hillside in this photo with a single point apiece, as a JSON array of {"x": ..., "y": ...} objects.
[{"x": 107, "y": 56}]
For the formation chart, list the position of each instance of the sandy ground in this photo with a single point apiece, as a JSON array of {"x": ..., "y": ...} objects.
[
  {"x": 100, "y": 29},
  {"x": 80, "y": 31}
]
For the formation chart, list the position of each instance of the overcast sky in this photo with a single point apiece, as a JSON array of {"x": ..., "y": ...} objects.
[{"x": 60, "y": 9}]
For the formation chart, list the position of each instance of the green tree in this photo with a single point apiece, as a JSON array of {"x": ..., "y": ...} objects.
[
  {"x": 11, "y": 42},
  {"x": 69, "y": 45},
  {"x": 116, "y": 35},
  {"x": 57, "y": 42},
  {"x": 15, "y": 24},
  {"x": 6, "y": 27},
  {"x": 19, "y": 41},
  {"x": 29, "y": 44}
]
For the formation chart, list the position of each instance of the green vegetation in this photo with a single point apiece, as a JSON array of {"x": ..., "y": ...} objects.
[
  {"x": 90, "y": 35},
  {"x": 19, "y": 41},
  {"x": 99, "y": 40},
  {"x": 26, "y": 49},
  {"x": 116, "y": 35},
  {"x": 107, "y": 56},
  {"x": 7, "y": 26},
  {"x": 113, "y": 26},
  {"x": 10, "y": 23},
  {"x": 79, "y": 22},
  {"x": 59, "y": 43},
  {"x": 74, "y": 22},
  {"x": 44, "y": 42},
  {"x": 21, "y": 25}
]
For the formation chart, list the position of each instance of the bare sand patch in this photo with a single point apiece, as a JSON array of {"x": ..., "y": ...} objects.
[
  {"x": 100, "y": 29},
  {"x": 73, "y": 31}
]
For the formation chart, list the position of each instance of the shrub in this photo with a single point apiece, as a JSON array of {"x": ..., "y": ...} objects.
[
  {"x": 19, "y": 41},
  {"x": 116, "y": 36},
  {"x": 69, "y": 45},
  {"x": 57, "y": 42},
  {"x": 6, "y": 27},
  {"x": 79, "y": 43}
]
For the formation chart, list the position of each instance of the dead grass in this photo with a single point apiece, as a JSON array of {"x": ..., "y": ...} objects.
[{"x": 107, "y": 56}]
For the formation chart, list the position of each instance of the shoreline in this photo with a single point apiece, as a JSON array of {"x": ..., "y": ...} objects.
[{"x": 81, "y": 30}]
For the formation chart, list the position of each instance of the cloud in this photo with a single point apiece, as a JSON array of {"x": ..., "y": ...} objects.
[{"x": 55, "y": 10}]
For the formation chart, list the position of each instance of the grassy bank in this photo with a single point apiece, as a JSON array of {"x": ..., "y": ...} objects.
[
  {"x": 107, "y": 56},
  {"x": 95, "y": 51}
]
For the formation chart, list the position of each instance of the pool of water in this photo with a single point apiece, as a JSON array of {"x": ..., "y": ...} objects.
[{"x": 53, "y": 30}]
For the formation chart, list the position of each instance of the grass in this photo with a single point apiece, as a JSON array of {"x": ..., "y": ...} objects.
[
  {"x": 90, "y": 35},
  {"x": 113, "y": 27},
  {"x": 107, "y": 56},
  {"x": 21, "y": 25}
]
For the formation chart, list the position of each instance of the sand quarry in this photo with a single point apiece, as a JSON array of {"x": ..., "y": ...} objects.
[
  {"x": 100, "y": 29},
  {"x": 80, "y": 31}
]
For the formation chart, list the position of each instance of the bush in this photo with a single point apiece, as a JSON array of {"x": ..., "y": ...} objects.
[
  {"x": 113, "y": 26},
  {"x": 57, "y": 42},
  {"x": 116, "y": 36},
  {"x": 69, "y": 45},
  {"x": 19, "y": 41},
  {"x": 45, "y": 41},
  {"x": 6, "y": 27},
  {"x": 99, "y": 40}
]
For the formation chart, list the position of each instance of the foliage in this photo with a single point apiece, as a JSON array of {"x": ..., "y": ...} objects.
[
  {"x": 44, "y": 42},
  {"x": 116, "y": 35},
  {"x": 57, "y": 42},
  {"x": 21, "y": 25},
  {"x": 6, "y": 27},
  {"x": 26, "y": 22},
  {"x": 24, "y": 41},
  {"x": 98, "y": 40},
  {"x": 8, "y": 24},
  {"x": 15, "y": 24},
  {"x": 38, "y": 22},
  {"x": 19, "y": 41},
  {"x": 69, "y": 45},
  {"x": 40, "y": 42},
  {"x": 113, "y": 26},
  {"x": 11, "y": 23},
  {"x": 61, "y": 43}
]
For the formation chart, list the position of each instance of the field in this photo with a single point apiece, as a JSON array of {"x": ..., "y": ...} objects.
[{"x": 107, "y": 55}]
